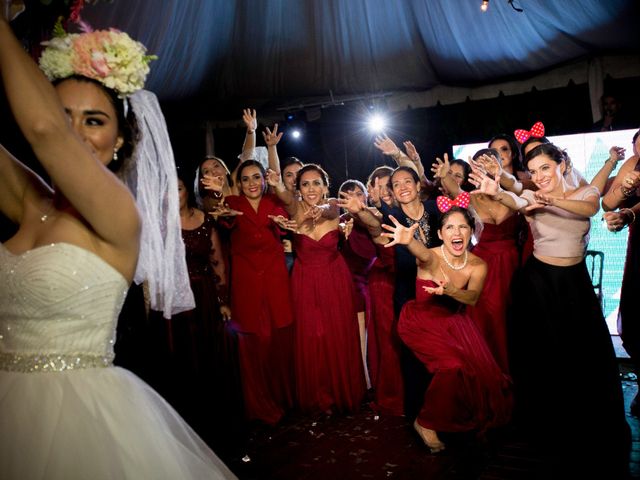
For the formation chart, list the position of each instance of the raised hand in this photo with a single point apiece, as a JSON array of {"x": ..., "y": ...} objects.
[
  {"x": 284, "y": 222},
  {"x": 412, "y": 153},
  {"x": 490, "y": 164},
  {"x": 272, "y": 178},
  {"x": 385, "y": 145},
  {"x": 272, "y": 137},
  {"x": 250, "y": 119},
  {"x": 440, "y": 168},
  {"x": 398, "y": 233},
  {"x": 351, "y": 203},
  {"x": 213, "y": 183},
  {"x": 616, "y": 154},
  {"x": 483, "y": 182}
]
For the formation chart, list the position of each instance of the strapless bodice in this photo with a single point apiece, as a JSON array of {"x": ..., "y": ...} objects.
[
  {"x": 59, "y": 306},
  {"x": 317, "y": 252}
]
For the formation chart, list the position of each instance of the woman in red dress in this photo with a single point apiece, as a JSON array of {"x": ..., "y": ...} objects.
[
  {"x": 260, "y": 302},
  {"x": 328, "y": 365},
  {"x": 383, "y": 342},
  {"x": 468, "y": 390},
  {"x": 359, "y": 251},
  {"x": 497, "y": 246}
]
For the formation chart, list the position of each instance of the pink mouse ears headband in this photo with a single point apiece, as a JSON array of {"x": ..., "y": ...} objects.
[
  {"x": 537, "y": 131},
  {"x": 445, "y": 203}
]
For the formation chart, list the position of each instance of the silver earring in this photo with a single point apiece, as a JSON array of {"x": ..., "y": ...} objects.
[{"x": 115, "y": 155}]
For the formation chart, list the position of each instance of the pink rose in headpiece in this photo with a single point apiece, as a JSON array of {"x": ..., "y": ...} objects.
[
  {"x": 99, "y": 64},
  {"x": 445, "y": 203}
]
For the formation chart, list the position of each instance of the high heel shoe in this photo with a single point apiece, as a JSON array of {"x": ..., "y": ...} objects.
[{"x": 429, "y": 437}]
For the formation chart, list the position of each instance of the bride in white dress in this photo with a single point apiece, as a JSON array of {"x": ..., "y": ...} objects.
[{"x": 65, "y": 411}]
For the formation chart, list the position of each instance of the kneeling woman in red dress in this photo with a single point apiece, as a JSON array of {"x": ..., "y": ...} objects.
[{"x": 468, "y": 390}]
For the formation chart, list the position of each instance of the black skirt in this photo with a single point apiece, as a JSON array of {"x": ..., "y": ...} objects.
[{"x": 567, "y": 386}]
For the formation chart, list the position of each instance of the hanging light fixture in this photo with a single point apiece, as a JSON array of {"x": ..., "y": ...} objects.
[{"x": 485, "y": 5}]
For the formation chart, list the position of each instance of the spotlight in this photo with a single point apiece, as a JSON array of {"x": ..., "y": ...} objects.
[
  {"x": 377, "y": 123},
  {"x": 296, "y": 134},
  {"x": 485, "y": 5}
]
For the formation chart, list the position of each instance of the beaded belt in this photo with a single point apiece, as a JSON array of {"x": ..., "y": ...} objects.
[{"x": 15, "y": 362}]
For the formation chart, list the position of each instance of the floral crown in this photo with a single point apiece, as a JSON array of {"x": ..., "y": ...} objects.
[{"x": 110, "y": 57}]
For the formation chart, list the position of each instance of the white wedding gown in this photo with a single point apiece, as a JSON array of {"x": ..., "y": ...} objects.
[{"x": 65, "y": 411}]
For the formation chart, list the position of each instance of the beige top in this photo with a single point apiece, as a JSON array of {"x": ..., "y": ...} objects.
[{"x": 558, "y": 233}]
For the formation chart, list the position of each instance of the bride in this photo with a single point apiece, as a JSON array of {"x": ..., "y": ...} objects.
[{"x": 65, "y": 410}]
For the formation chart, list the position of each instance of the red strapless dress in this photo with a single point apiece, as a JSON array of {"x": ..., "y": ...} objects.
[
  {"x": 328, "y": 362},
  {"x": 383, "y": 342},
  {"x": 468, "y": 390}
]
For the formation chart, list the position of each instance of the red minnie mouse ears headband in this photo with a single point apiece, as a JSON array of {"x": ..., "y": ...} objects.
[
  {"x": 445, "y": 203},
  {"x": 537, "y": 131}
]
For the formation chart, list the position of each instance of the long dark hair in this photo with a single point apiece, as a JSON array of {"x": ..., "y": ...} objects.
[
  {"x": 187, "y": 181},
  {"x": 516, "y": 154}
]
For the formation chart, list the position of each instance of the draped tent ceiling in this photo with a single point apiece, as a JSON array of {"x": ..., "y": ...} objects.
[{"x": 225, "y": 53}]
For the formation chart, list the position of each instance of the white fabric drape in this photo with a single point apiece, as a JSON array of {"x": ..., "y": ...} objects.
[{"x": 221, "y": 49}]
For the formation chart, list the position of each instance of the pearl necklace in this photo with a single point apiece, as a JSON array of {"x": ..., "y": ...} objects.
[{"x": 460, "y": 267}]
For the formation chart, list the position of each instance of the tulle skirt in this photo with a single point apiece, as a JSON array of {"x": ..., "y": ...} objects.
[{"x": 97, "y": 423}]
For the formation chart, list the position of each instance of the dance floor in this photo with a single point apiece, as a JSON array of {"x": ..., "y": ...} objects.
[{"x": 370, "y": 446}]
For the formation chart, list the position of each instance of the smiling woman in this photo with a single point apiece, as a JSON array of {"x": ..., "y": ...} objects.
[
  {"x": 555, "y": 317},
  {"x": 260, "y": 301},
  {"x": 59, "y": 330},
  {"x": 468, "y": 390},
  {"x": 328, "y": 367}
]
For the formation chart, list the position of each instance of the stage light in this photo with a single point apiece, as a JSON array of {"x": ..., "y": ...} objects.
[
  {"x": 296, "y": 134},
  {"x": 485, "y": 5},
  {"x": 377, "y": 123}
]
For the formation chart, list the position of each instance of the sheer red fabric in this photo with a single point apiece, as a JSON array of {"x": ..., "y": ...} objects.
[{"x": 328, "y": 362}]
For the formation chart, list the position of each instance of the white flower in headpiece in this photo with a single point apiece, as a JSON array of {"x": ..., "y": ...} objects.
[{"x": 110, "y": 57}]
